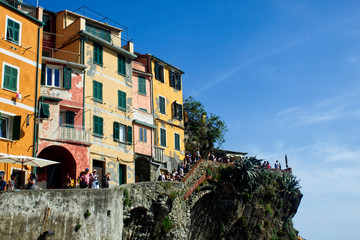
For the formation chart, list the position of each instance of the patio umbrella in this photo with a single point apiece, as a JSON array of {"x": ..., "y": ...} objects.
[{"x": 26, "y": 160}]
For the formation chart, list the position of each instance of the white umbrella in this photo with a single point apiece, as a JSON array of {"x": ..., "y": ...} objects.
[{"x": 26, "y": 160}]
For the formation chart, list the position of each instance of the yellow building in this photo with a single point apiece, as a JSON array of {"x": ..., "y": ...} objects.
[
  {"x": 169, "y": 146},
  {"x": 20, "y": 63},
  {"x": 107, "y": 91}
]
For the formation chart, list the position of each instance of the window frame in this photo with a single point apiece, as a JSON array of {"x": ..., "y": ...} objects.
[
  {"x": 177, "y": 111},
  {"x": 122, "y": 68},
  {"x": 120, "y": 101},
  {"x": 143, "y": 135},
  {"x": 6, "y": 28},
  {"x": 100, "y": 52},
  {"x": 161, "y": 143},
  {"x": 13, "y": 126},
  {"x": 142, "y": 85},
  {"x": 61, "y": 76},
  {"x": 17, "y": 77},
  {"x": 97, "y": 91},
  {"x": 164, "y": 113},
  {"x": 159, "y": 71},
  {"x": 97, "y": 134},
  {"x": 175, "y": 141},
  {"x": 8, "y": 126}
]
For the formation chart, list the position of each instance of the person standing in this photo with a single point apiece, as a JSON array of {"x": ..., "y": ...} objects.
[
  {"x": 87, "y": 177},
  {"x": 277, "y": 164},
  {"x": 106, "y": 180},
  {"x": 94, "y": 178},
  {"x": 31, "y": 184},
  {"x": 67, "y": 183},
  {"x": 2, "y": 183},
  {"x": 11, "y": 184}
]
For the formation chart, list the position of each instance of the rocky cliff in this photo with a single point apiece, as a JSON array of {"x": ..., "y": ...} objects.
[{"x": 218, "y": 205}]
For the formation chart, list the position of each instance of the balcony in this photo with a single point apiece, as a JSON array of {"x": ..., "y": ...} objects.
[
  {"x": 75, "y": 135},
  {"x": 159, "y": 155},
  {"x": 61, "y": 54}
]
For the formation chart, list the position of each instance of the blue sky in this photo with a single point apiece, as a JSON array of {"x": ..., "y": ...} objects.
[{"x": 283, "y": 74}]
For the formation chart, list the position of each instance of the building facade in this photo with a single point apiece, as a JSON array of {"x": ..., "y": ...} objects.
[
  {"x": 20, "y": 64},
  {"x": 107, "y": 91},
  {"x": 169, "y": 147}
]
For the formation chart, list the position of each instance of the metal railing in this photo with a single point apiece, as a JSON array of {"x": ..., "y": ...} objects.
[
  {"x": 159, "y": 155},
  {"x": 73, "y": 134},
  {"x": 61, "y": 54}
]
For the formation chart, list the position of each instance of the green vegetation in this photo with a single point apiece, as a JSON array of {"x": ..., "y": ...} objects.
[
  {"x": 172, "y": 195},
  {"x": 167, "y": 185},
  {"x": 77, "y": 227},
  {"x": 127, "y": 200},
  {"x": 204, "y": 130},
  {"x": 209, "y": 172},
  {"x": 268, "y": 209},
  {"x": 167, "y": 224},
  {"x": 87, "y": 214}
]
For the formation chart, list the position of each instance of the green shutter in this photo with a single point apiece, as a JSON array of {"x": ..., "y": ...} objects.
[
  {"x": 142, "y": 85},
  {"x": 67, "y": 77},
  {"x": 180, "y": 111},
  {"x": 16, "y": 128},
  {"x": 116, "y": 133},
  {"x": 162, "y": 137},
  {"x": 98, "y": 126},
  {"x": 97, "y": 91},
  {"x": 44, "y": 110},
  {"x": 162, "y": 105},
  {"x": 13, "y": 31},
  {"x": 70, "y": 116},
  {"x": 157, "y": 71},
  {"x": 98, "y": 54},
  {"x": 122, "y": 100},
  {"x": 177, "y": 141},
  {"x": 122, "y": 65},
  {"x": 172, "y": 79},
  {"x": 178, "y": 80},
  {"x": 43, "y": 74},
  {"x": 145, "y": 140},
  {"x": 10, "y": 78},
  {"x": 129, "y": 135}
]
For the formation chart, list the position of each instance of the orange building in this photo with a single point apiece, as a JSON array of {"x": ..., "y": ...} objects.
[{"x": 20, "y": 64}]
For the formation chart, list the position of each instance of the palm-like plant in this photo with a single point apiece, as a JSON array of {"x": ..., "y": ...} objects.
[
  {"x": 290, "y": 183},
  {"x": 247, "y": 172}
]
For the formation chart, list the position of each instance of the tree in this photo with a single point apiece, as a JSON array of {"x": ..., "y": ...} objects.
[{"x": 202, "y": 130}]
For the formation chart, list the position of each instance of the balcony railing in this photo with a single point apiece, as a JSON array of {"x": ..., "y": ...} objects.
[
  {"x": 73, "y": 134},
  {"x": 159, "y": 155},
  {"x": 61, "y": 54}
]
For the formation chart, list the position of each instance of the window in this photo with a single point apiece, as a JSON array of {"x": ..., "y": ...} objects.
[
  {"x": 10, "y": 77},
  {"x": 162, "y": 137},
  {"x": 99, "y": 32},
  {"x": 122, "y": 65},
  {"x": 13, "y": 31},
  {"x": 44, "y": 110},
  {"x": 98, "y": 54},
  {"x": 143, "y": 135},
  {"x": 142, "y": 85},
  {"x": 67, "y": 119},
  {"x": 175, "y": 80},
  {"x": 177, "y": 141},
  {"x": 122, "y": 100},
  {"x": 97, "y": 91},
  {"x": 122, "y": 133},
  {"x": 159, "y": 72},
  {"x": 162, "y": 105},
  {"x": 98, "y": 126},
  {"x": 53, "y": 76},
  {"x": 67, "y": 77},
  {"x": 10, "y": 126},
  {"x": 47, "y": 22},
  {"x": 177, "y": 111}
]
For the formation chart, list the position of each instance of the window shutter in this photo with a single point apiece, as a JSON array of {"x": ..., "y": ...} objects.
[
  {"x": 178, "y": 78},
  {"x": 129, "y": 135},
  {"x": 141, "y": 135},
  {"x": 162, "y": 137},
  {"x": 70, "y": 119},
  {"x": 101, "y": 125},
  {"x": 13, "y": 82},
  {"x": 145, "y": 139},
  {"x": 161, "y": 73},
  {"x": 16, "y": 128},
  {"x": 67, "y": 77},
  {"x": 174, "y": 109},
  {"x": 122, "y": 100},
  {"x": 43, "y": 74},
  {"x": 157, "y": 71},
  {"x": 122, "y": 65},
  {"x": 180, "y": 112},
  {"x": 116, "y": 133},
  {"x": 7, "y": 77},
  {"x": 44, "y": 110},
  {"x": 100, "y": 91}
]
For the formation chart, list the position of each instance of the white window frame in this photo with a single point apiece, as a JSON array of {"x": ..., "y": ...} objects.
[
  {"x": 9, "y": 117},
  {"x": 124, "y": 133},
  {"x": 165, "y": 104},
  {"x": 20, "y": 30},
  {"x": 175, "y": 133},
  {"x": 3, "y": 77},
  {"x": 61, "y": 84}
]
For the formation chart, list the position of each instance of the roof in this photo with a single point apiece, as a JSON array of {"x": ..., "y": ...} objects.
[
  {"x": 162, "y": 61},
  {"x": 22, "y": 13}
]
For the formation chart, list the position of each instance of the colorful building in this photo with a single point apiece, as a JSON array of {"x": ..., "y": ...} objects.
[
  {"x": 62, "y": 135},
  {"x": 107, "y": 91},
  {"x": 20, "y": 64},
  {"x": 169, "y": 147},
  {"x": 143, "y": 124}
]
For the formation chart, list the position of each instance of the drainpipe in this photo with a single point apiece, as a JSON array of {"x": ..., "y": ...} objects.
[
  {"x": 82, "y": 62},
  {"x": 35, "y": 148}
]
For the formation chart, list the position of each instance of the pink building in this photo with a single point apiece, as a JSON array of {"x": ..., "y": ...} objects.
[
  {"x": 143, "y": 123},
  {"x": 62, "y": 136}
]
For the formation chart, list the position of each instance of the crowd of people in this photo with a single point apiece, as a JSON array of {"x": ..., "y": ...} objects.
[
  {"x": 11, "y": 186},
  {"x": 89, "y": 179},
  {"x": 277, "y": 165}
]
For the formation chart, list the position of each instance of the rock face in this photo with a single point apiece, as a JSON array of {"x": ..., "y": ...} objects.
[{"x": 217, "y": 209}]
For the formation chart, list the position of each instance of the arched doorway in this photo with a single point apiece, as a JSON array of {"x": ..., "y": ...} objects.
[{"x": 54, "y": 175}]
